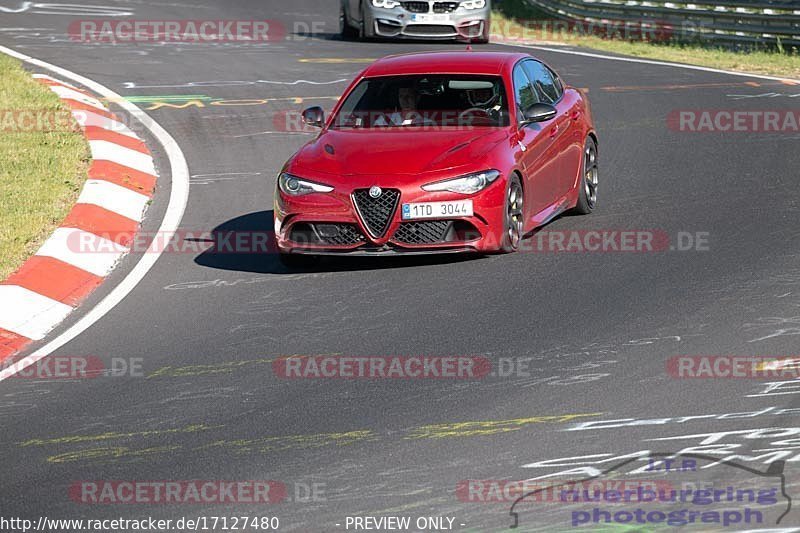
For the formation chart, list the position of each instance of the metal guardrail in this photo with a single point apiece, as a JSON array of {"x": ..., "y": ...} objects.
[{"x": 730, "y": 22}]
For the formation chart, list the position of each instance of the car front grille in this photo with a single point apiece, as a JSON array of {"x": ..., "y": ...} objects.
[
  {"x": 332, "y": 233},
  {"x": 416, "y": 7},
  {"x": 425, "y": 232},
  {"x": 376, "y": 213},
  {"x": 445, "y": 7}
]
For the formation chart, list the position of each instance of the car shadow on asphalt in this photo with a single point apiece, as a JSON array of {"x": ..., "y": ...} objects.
[{"x": 246, "y": 244}]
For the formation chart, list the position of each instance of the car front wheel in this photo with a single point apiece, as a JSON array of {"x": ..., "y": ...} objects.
[
  {"x": 587, "y": 187},
  {"x": 514, "y": 219}
]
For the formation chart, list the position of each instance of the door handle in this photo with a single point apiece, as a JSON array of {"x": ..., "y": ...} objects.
[
  {"x": 553, "y": 131},
  {"x": 575, "y": 115}
]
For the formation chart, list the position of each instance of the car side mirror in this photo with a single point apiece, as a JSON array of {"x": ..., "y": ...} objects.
[
  {"x": 314, "y": 116},
  {"x": 539, "y": 112}
]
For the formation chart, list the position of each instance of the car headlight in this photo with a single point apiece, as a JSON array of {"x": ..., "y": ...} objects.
[
  {"x": 294, "y": 186},
  {"x": 473, "y": 4},
  {"x": 388, "y": 4},
  {"x": 469, "y": 184}
]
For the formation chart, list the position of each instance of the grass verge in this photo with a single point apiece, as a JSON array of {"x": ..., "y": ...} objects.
[
  {"x": 515, "y": 20},
  {"x": 41, "y": 172}
]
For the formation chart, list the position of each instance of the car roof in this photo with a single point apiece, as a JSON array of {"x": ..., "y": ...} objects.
[{"x": 453, "y": 62}]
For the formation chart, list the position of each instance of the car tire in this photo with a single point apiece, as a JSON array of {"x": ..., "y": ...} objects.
[
  {"x": 587, "y": 187},
  {"x": 513, "y": 216},
  {"x": 294, "y": 261},
  {"x": 348, "y": 33},
  {"x": 362, "y": 24}
]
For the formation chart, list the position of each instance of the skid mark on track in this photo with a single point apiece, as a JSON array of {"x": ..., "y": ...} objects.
[
  {"x": 227, "y": 367},
  {"x": 75, "y": 439},
  {"x": 272, "y": 444},
  {"x": 486, "y": 427},
  {"x": 292, "y": 442},
  {"x": 110, "y": 453}
]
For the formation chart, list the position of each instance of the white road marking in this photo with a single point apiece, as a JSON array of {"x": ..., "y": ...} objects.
[
  {"x": 108, "y": 151},
  {"x": 72, "y": 94},
  {"x": 32, "y": 314},
  {"x": 179, "y": 195},
  {"x": 115, "y": 198},
  {"x": 230, "y": 83},
  {"x": 83, "y": 250}
]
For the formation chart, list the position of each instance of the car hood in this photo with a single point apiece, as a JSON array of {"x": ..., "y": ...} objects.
[{"x": 400, "y": 151}]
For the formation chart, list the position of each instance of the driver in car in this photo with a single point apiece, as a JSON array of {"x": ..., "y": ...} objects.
[
  {"x": 485, "y": 101},
  {"x": 407, "y": 113}
]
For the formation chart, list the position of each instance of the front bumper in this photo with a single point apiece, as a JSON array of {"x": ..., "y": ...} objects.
[
  {"x": 408, "y": 21},
  {"x": 330, "y": 223}
]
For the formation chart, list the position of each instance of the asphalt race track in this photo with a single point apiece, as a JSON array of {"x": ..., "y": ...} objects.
[{"x": 594, "y": 331}]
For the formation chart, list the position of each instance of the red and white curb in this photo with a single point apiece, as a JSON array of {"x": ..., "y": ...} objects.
[{"x": 109, "y": 210}]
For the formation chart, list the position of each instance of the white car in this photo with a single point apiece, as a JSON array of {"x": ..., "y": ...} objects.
[{"x": 466, "y": 20}]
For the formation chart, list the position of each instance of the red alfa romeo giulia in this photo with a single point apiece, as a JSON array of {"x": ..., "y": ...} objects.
[{"x": 439, "y": 152}]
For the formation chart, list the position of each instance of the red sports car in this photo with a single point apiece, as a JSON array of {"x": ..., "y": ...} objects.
[{"x": 439, "y": 152}]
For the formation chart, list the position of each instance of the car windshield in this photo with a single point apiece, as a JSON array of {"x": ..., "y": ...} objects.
[{"x": 425, "y": 101}]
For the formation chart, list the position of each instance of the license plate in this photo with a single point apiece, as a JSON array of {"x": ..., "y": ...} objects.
[
  {"x": 460, "y": 208},
  {"x": 430, "y": 18}
]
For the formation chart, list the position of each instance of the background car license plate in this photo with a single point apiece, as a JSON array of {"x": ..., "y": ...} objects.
[
  {"x": 430, "y": 18},
  {"x": 460, "y": 208}
]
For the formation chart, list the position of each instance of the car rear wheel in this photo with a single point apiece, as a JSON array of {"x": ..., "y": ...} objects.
[
  {"x": 587, "y": 193},
  {"x": 514, "y": 226},
  {"x": 362, "y": 23}
]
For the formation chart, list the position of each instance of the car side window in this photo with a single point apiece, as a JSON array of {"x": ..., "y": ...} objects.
[
  {"x": 523, "y": 91},
  {"x": 543, "y": 81},
  {"x": 559, "y": 83}
]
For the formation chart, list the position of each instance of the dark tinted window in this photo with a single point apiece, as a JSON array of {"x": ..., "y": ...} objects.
[
  {"x": 523, "y": 92},
  {"x": 429, "y": 100},
  {"x": 543, "y": 81}
]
